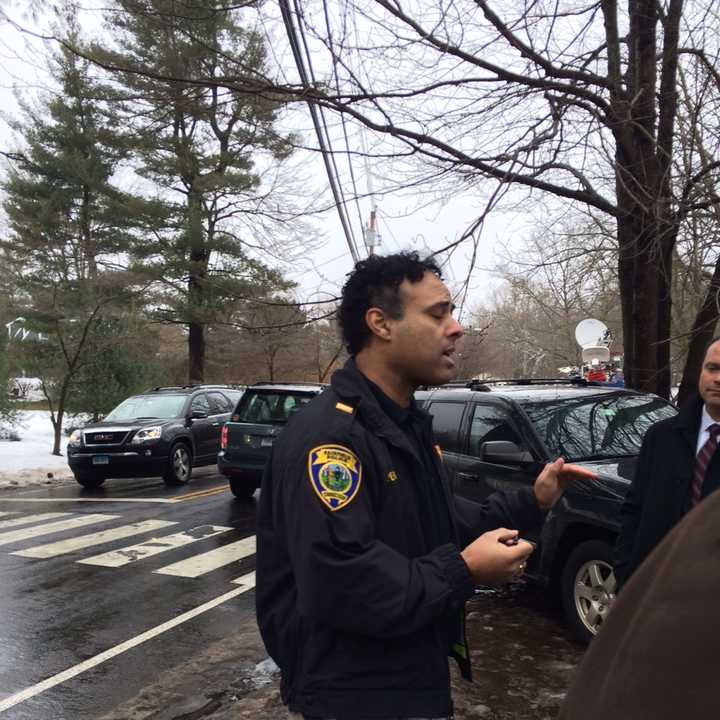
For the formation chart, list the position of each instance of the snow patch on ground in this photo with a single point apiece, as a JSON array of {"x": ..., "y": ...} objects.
[{"x": 30, "y": 461}]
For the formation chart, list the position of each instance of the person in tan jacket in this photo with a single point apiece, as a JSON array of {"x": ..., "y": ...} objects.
[{"x": 657, "y": 655}]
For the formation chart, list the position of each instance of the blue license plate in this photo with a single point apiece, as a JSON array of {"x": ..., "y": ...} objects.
[{"x": 101, "y": 460}]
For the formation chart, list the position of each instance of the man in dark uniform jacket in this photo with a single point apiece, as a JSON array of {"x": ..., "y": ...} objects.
[
  {"x": 677, "y": 467},
  {"x": 361, "y": 581}
]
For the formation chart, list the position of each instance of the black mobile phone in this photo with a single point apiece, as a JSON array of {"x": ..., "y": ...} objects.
[{"x": 516, "y": 540}]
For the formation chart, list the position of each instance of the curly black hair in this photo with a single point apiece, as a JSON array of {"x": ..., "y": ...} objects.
[{"x": 375, "y": 282}]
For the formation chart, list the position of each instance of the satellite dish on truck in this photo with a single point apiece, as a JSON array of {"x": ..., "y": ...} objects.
[
  {"x": 591, "y": 332},
  {"x": 593, "y": 337}
]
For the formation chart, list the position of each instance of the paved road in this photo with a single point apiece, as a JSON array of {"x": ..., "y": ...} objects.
[
  {"x": 122, "y": 604},
  {"x": 106, "y": 592}
]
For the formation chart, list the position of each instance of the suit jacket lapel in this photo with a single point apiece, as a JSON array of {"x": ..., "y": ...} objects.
[{"x": 687, "y": 426}]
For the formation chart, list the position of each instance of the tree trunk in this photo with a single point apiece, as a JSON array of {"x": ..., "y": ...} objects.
[
  {"x": 664, "y": 311},
  {"x": 89, "y": 251},
  {"x": 702, "y": 333},
  {"x": 196, "y": 291},
  {"x": 196, "y": 353},
  {"x": 57, "y": 427},
  {"x": 639, "y": 284},
  {"x": 645, "y": 234}
]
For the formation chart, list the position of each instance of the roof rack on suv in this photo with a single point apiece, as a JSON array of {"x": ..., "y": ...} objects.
[
  {"x": 538, "y": 381},
  {"x": 289, "y": 382},
  {"x": 473, "y": 384},
  {"x": 160, "y": 388},
  {"x": 484, "y": 385}
]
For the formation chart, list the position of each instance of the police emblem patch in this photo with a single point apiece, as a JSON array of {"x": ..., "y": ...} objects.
[{"x": 335, "y": 474}]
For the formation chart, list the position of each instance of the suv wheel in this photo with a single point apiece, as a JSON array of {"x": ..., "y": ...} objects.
[
  {"x": 179, "y": 466},
  {"x": 90, "y": 481},
  {"x": 588, "y": 588},
  {"x": 242, "y": 488}
]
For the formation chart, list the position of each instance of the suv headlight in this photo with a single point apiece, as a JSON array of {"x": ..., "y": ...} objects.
[
  {"x": 148, "y": 434},
  {"x": 75, "y": 437}
]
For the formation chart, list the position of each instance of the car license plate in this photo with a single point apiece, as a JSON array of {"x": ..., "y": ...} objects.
[
  {"x": 101, "y": 460},
  {"x": 266, "y": 442}
]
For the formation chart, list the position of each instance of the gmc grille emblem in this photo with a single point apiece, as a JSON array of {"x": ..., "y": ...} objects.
[{"x": 103, "y": 437}]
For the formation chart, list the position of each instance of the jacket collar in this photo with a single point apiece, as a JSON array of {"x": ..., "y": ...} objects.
[{"x": 352, "y": 387}]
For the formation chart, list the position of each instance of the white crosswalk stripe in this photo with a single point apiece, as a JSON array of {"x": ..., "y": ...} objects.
[
  {"x": 247, "y": 580},
  {"x": 60, "y": 526},
  {"x": 28, "y": 527},
  {"x": 134, "y": 553},
  {"x": 62, "y": 547},
  {"x": 212, "y": 560},
  {"x": 27, "y": 519}
]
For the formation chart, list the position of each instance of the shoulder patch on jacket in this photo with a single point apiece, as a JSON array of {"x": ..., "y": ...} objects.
[
  {"x": 344, "y": 408},
  {"x": 335, "y": 475}
]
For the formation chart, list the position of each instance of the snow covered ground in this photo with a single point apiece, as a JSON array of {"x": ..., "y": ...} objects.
[{"x": 30, "y": 461}]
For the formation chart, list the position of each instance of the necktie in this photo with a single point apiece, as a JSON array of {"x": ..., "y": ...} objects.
[{"x": 702, "y": 462}]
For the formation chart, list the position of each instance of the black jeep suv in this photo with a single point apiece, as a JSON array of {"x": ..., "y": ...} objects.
[
  {"x": 497, "y": 436},
  {"x": 164, "y": 432}
]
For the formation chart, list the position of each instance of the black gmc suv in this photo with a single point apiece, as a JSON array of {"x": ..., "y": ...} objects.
[
  {"x": 164, "y": 432},
  {"x": 497, "y": 435}
]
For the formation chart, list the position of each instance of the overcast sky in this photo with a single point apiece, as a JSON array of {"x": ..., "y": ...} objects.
[{"x": 402, "y": 224}]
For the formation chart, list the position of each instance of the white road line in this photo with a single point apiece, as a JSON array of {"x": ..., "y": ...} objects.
[
  {"x": 62, "y": 547},
  {"x": 248, "y": 579},
  {"x": 83, "y": 499},
  {"x": 204, "y": 563},
  {"x": 133, "y": 553},
  {"x": 27, "y": 519},
  {"x": 102, "y": 657},
  {"x": 3, "y": 514},
  {"x": 26, "y": 533}
]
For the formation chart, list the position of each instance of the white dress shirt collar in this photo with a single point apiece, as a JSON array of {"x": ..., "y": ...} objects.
[{"x": 705, "y": 422}]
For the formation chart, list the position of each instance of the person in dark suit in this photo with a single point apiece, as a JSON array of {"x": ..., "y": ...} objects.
[
  {"x": 677, "y": 468},
  {"x": 656, "y": 657}
]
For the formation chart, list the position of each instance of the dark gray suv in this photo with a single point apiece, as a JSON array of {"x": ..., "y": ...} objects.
[
  {"x": 248, "y": 437},
  {"x": 498, "y": 435}
]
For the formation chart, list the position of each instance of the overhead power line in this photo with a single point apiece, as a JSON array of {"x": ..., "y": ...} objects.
[{"x": 319, "y": 124}]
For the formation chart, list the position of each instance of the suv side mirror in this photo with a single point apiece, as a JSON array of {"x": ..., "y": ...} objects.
[
  {"x": 504, "y": 452},
  {"x": 198, "y": 415}
]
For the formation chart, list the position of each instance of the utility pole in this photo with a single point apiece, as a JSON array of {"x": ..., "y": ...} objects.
[
  {"x": 372, "y": 237},
  {"x": 370, "y": 231}
]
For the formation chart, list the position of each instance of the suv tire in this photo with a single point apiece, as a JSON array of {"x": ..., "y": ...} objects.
[
  {"x": 90, "y": 481},
  {"x": 179, "y": 465},
  {"x": 588, "y": 588},
  {"x": 242, "y": 488}
]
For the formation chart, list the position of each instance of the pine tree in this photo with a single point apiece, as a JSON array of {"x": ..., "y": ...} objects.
[
  {"x": 198, "y": 146},
  {"x": 67, "y": 230}
]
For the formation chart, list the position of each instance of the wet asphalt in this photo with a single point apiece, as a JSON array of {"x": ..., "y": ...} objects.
[{"x": 57, "y": 613}]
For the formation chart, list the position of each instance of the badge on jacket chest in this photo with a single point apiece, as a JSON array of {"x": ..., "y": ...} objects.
[{"x": 335, "y": 474}]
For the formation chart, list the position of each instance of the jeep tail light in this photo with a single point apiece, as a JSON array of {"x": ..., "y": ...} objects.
[{"x": 223, "y": 437}]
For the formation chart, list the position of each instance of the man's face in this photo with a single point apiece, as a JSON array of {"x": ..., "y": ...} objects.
[
  {"x": 423, "y": 339},
  {"x": 709, "y": 385}
]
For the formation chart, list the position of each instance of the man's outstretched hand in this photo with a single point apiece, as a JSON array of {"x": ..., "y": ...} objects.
[{"x": 555, "y": 477}]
